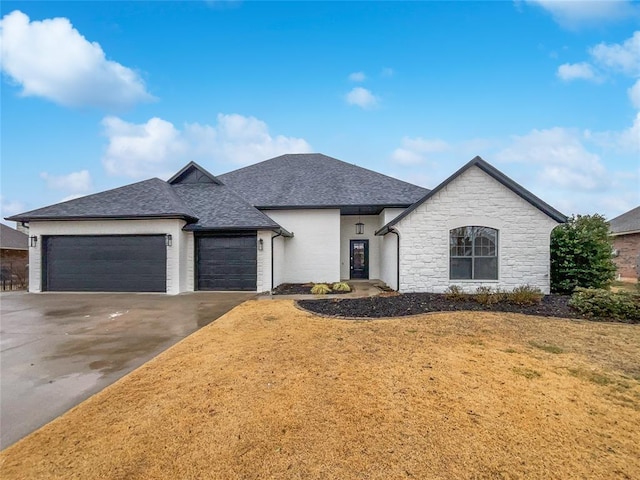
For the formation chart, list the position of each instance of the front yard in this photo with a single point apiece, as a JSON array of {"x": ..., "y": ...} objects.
[{"x": 270, "y": 391}]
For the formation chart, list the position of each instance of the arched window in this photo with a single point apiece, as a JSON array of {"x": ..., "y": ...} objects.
[{"x": 473, "y": 253}]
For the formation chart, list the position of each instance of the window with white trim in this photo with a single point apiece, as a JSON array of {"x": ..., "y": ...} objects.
[{"x": 473, "y": 253}]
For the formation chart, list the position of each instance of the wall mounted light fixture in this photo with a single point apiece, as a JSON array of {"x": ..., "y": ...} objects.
[
  {"x": 260, "y": 244},
  {"x": 33, "y": 241},
  {"x": 168, "y": 240}
]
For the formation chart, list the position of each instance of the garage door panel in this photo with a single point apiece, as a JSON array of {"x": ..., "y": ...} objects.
[
  {"x": 124, "y": 263},
  {"x": 227, "y": 262}
]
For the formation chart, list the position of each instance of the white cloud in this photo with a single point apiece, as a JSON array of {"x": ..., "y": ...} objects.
[
  {"x": 76, "y": 182},
  {"x": 362, "y": 98},
  {"x": 625, "y": 141},
  {"x": 559, "y": 157},
  {"x": 414, "y": 151},
  {"x": 357, "y": 77},
  {"x": 71, "y": 197},
  {"x": 634, "y": 94},
  {"x": 573, "y": 14},
  {"x": 158, "y": 148},
  {"x": 387, "y": 72},
  {"x": 614, "y": 58},
  {"x": 623, "y": 57},
  {"x": 10, "y": 207},
  {"x": 137, "y": 150},
  {"x": 51, "y": 59},
  {"x": 573, "y": 71},
  {"x": 629, "y": 140}
]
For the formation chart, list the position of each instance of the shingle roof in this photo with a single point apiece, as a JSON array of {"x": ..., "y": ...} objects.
[
  {"x": 628, "y": 222},
  {"x": 316, "y": 180},
  {"x": 13, "y": 239},
  {"x": 497, "y": 175},
  {"x": 153, "y": 198},
  {"x": 217, "y": 207},
  {"x": 228, "y": 201}
]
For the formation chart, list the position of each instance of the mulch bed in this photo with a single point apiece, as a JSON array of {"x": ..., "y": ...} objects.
[
  {"x": 298, "y": 289},
  {"x": 415, "y": 303}
]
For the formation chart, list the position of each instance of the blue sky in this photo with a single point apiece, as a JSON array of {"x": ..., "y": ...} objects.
[{"x": 96, "y": 95}]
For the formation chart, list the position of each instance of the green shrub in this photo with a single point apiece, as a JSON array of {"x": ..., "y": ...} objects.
[
  {"x": 320, "y": 289},
  {"x": 341, "y": 287},
  {"x": 604, "y": 304},
  {"x": 454, "y": 292},
  {"x": 581, "y": 254},
  {"x": 525, "y": 295}
]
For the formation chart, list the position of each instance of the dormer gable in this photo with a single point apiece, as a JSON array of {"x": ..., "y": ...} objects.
[{"x": 193, "y": 173}]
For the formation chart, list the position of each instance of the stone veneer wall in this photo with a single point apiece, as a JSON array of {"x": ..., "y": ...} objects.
[{"x": 475, "y": 198}]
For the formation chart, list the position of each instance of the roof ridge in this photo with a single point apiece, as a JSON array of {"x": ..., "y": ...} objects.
[
  {"x": 369, "y": 170},
  {"x": 173, "y": 193}
]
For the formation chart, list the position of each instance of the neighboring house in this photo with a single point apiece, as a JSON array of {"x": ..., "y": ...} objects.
[
  {"x": 293, "y": 219},
  {"x": 14, "y": 257},
  {"x": 625, "y": 230}
]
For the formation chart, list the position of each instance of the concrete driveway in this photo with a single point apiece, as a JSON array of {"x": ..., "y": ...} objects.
[{"x": 58, "y": 349}]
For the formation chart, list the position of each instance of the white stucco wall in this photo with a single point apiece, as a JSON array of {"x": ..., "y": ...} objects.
[
  {"x": 389, "y": 260},
  {"x": 474, "y": 198},
  {"x": 348, "y": 233},
  {"x": 263, "y": 281},
  {"x": 313, "y": 254},
  {"x": 189, "y": 253},
  {"x": 176, "y": 282},
  {"x": 279, "y": 262},
  {"x": 389, "y": 249},
  {"x": 389, "y": 214}
]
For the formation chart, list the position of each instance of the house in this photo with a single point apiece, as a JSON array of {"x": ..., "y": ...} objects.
[
  {"x": 625, "y": 231},
  {"x": 14, "y": 258},
  {"x": 292, "y": 219}
]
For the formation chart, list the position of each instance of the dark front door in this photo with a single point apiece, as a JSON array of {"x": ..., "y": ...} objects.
[
  {"x": 104, "y": 263},
  {"x": 359, "y": 258},
  {"x": 226, "y": 262}
]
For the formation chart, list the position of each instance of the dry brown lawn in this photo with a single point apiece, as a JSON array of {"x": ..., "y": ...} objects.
[{"x": 270, "y": 391}]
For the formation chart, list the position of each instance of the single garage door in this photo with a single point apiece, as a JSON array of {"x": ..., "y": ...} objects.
[
  {"x": 104, "y": 263},
  {"x": 226, "y": 262}
]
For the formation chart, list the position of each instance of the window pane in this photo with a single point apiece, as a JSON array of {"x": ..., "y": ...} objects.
[
  {"x": 460, "y": 242},
  {"x": 485, "y": 241},
  {"x": 475, "y": 247},
  {"x": 486, "y": 268},
  {"x": 460, "y": 268}
]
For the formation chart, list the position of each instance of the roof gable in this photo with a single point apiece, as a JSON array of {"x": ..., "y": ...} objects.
[
  {"x": 628, "y": 222},
  {"x": 193, "y": 173},
  {"x": 317, "y": 181},
  {"x": 498, "y": 176}
]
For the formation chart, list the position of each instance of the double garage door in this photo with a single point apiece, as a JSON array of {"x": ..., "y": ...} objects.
[
  {"x": 138, "y": 263},
  {"x": 104, "y": 263}
]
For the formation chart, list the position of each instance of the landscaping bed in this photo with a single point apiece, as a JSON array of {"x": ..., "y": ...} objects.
[
  {"x": 298, "y": 289},
  {"x": 398, "y": 305}
]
